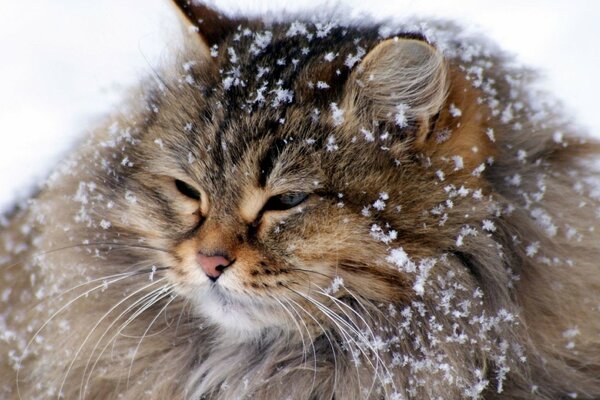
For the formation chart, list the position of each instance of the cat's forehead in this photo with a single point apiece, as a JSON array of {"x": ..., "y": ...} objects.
[
  {"x": 267, "y": 69},
  {"x": 239, "y": 151}
]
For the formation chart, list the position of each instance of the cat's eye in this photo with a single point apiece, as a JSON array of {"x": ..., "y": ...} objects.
[
  {"x": 285, "y": 201},
  {"x": 187, "y": 190}
]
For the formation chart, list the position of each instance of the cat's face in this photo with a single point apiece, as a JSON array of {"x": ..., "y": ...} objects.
[
  {"x": 278, "y": 179},
  {"x": 286, "y": 216}
]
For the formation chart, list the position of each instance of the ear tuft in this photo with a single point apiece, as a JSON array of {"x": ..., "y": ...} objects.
[
  {"x": 401, "y": 81},
  {"x": 212, "y": 27}
]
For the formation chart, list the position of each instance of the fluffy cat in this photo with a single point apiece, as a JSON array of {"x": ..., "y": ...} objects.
[{"x": 302, "y": 210}]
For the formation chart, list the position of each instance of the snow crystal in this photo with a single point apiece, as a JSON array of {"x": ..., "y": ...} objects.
[
  {"x": 329, "y": 57},
  {"x": 379, "y": 205},
  {"x": 571, "y": 332},
  {"x": 440, "y": 175},
  {"x": 400, "y": 259},
  {"x": 488, "y": 225},
  {"x": 324, "y": 29},
  {"x": 458, "y": 162},
  {"x": 557, "y": 137},
  {"x": 261, "y": 41},
  {"x": 424, "y": 268},
  {"x": 297, "y": 28},
  {"x": 282, "y": 96},
  {"x": 507, "y": 115},
  {"x": 331, "y": 145},
  {"x": 514, "y": 180},
  {"x": 455, "y": 111},
  {"x": 336, "y": 284},
  {"x": 126, "y": 162},
  {"x": 532, "y": 249},
  {"x": 130, "y": 197},
  {"x": 352, "y": 59},
  {"x": 367, "y": 134},
  {"x": 190, "y": 158},
  {"x": 401, "y": 117},
  {"x": 233, "y": 58},
  {"x": 378, "y": 233},
  {"x": 478, "y": 170},
  {"x": 337, "y": 114},
  {"x": 151, "y": 277},
  {"x": 544, "y": 220}
]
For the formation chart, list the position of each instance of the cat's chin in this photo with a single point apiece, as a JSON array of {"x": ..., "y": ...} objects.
[{"x": 238, "y": 315}]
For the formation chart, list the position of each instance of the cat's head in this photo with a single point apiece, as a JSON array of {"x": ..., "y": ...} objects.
[{"x": 284, "y": 167}]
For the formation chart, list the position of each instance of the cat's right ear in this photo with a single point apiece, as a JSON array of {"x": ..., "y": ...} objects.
[{"x": 206, "y": 24}]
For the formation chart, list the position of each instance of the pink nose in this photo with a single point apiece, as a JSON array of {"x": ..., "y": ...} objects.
[{"x": 213, "y": 266}]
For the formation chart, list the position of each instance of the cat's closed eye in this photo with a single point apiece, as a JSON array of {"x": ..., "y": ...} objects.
[
  {"x": 187, "y": 190},
  {"x": 285, "y": 201}
]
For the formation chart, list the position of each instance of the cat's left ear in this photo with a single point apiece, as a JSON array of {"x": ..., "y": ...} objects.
[
  {"x": 407, "y": 86},
  {"x": 400, "y": 81},
  {"x": 210, "y": 26}
]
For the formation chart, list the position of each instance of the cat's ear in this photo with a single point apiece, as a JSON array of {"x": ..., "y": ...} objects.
[
  {"x": 407, "y": 84},
  {"x": 400, "y": 81},
  {"x": 209, "y": 26}
]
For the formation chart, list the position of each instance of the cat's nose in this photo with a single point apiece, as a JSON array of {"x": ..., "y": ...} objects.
[{"x": 213, "y": 266}]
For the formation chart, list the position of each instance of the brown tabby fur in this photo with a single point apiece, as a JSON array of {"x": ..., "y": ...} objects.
[{"x": 102, "y": 298}]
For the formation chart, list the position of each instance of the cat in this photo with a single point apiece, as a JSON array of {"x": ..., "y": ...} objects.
[{"x": 312, "y": 210}]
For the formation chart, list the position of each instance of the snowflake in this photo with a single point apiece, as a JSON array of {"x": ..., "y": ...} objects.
[
  {"x": 401, "y": 117},
  {"x": 337, "y": 114}
]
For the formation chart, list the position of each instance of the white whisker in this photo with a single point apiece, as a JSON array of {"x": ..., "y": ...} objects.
[
  {"x": 144, "y": 302},
  {"x": 94, "y": 328},
  {"x": 144, "y": 335}
]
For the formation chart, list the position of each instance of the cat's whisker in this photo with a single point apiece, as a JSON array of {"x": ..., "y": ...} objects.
[
  {"x": 340, "y": 303},
  {"x": 347, "y": 336},
  {"x": 304, "y": 347},
  {"x": 359, "y": 301},
  {"x": 327, "y": 336},
  {"x": 105, "y": 282},
  {"x": 173, "y": 297},
  {"x": 283, "y": 307},
  {"x": 40, "y": 254},
  {"x": 337, "y": 320},
  {"x": 145, "y": 301},
  {"x": 98, "y": 324},
  {"x": 67, "y": 305},
  {"x": 183, "y": 307},
  {"x": 104, "y": 278},
  {"x": 308, "y": 271},
  {"x": 35, "y": 335}
]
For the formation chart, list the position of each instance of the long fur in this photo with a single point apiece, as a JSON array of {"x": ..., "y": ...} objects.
[{"x": 449, "y": 252}]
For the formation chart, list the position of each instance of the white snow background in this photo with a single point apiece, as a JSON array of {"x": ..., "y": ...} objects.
[{"x": 65, "y": 63}]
